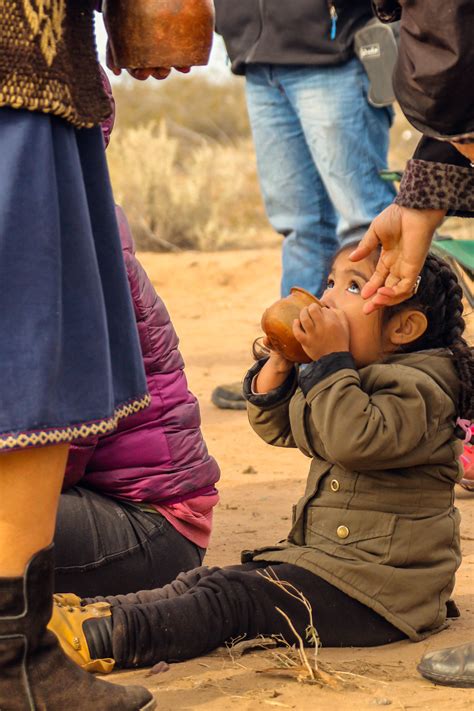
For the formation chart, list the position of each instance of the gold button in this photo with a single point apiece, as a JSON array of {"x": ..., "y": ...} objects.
[
  {"x": 342, "y": 531},
  {"x": 335, "y": 486}
]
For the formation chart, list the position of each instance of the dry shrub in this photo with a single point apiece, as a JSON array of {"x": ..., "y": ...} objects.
[
  {"x": 187, "y": 192},
  {"x": 183, "y": 166},
  {"x": 211, "y": 108}
]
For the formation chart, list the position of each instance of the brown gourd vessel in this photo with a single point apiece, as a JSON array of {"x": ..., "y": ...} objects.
[
  {"x": 277, "y": 323},
  {"x": 159, "y": 33}
]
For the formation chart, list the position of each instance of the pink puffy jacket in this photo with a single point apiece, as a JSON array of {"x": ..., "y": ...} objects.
[{"x": 157, "y": 455}]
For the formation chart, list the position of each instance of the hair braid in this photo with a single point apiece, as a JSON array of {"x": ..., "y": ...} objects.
[
  {"x": 454, "y": 327},
  {"x": 439, "y": 297}
]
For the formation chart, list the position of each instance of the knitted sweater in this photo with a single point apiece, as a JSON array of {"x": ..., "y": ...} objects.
[{"x": 48, "y": 60}]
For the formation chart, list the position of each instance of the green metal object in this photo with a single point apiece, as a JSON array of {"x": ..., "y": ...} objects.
[
  {"x": 460, "y": 255},
  {"x": 391, "y": 176}
]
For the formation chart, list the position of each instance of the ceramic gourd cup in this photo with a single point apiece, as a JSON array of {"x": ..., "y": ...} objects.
[
  {"x": 159, "y": 33},
  {"x": 277, "y": 323}
]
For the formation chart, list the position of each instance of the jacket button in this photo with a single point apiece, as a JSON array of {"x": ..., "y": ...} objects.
[
  {"x": 335, "y": 486},
  {"x": 342, "y": 531}
]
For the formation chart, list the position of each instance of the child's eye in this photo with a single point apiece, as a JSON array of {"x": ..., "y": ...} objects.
[
  {"x": 353, "y": 288},
  {"x": 330, "y": 284}
]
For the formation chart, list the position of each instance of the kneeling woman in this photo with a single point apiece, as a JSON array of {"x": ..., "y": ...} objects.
[
  {"x": 375, "y": 542},
  {"x": 136, "y": 507}
]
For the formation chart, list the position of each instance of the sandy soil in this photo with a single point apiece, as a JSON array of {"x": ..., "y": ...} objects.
[{"x": 215, "y": 301}]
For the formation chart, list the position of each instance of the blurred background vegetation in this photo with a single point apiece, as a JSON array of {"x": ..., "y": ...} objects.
[{"x": 183, "y": 166}]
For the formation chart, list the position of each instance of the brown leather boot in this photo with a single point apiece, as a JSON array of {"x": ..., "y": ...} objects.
[{"x": 35, "y": 675}]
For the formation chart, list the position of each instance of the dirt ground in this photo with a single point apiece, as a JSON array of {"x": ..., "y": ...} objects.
[{"x": 215, "y": 301}]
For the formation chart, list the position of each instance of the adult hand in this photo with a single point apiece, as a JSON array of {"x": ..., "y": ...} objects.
[
  {"x": 140, "y": 73},
  {"x": 322, "y": 331},
  {"x": 405, "y": 235}
]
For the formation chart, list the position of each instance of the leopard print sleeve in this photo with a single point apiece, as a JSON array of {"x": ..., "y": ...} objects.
[{"x": 439, "y": 186}]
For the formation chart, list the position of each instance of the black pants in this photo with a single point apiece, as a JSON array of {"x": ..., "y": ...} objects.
[
  {"x": 206, "y": 607},
  {"x": 106, "y": 547}
]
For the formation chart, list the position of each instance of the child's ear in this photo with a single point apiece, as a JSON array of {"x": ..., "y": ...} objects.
[{"x": 406, "y": 327}]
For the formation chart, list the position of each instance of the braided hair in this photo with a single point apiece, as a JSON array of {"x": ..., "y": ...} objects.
[{"x": 439, "y": 297}]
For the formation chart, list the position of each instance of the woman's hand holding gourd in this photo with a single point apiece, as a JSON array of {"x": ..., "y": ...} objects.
[
  {"x": 142, "y": 74},
  {"x": 322, "y": 331}
]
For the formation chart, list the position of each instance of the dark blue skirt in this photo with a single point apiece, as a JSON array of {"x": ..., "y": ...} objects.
[{"x": 70, "y": 359}]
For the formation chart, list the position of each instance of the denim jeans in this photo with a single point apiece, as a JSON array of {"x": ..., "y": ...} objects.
[
  {"x": 320, "y": 147},
  {"x": 104, "y": 546}
]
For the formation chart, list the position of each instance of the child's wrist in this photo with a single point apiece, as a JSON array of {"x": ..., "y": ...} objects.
[{"x": 280, "y": 365}]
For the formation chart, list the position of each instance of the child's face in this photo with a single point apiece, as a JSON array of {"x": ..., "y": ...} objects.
[{"x": 343, "y": 291}]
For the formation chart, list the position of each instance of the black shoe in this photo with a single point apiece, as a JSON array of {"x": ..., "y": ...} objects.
[
  {"x": 450, "y": 667},
  {"x": 229, "y": 397},
  {"x": 34, "y": 672}
]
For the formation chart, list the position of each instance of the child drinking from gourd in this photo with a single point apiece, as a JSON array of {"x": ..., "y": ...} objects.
[{"x": 374, "y": 545}]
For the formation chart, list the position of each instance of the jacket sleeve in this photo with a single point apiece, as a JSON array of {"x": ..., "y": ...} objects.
[
  {"x": 268, "y": 413},
  {"x": 80, "y": 454},
  {"x": 392, "y": 427},
  {"x": 438, "y": 177},
  {"x": 432, "y": 79}
]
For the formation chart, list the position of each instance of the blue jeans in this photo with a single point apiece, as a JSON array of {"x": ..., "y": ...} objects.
[{"x": 320, "y": 147}]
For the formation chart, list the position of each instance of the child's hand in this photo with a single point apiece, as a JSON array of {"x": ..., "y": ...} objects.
[
  {"x": 321, "y": 331},
  {"x": 274, "y": 372},
  {"x": 278, "y": 361}
]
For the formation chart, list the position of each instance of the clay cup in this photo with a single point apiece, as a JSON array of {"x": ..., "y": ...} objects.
[
  {"x": 159, "y": 33},
  {"x": 277, "y": 323}
]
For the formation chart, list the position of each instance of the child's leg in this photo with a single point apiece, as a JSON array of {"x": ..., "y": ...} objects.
[
  {"x": 183, "y": 583},
  {"x": 238, "y": 601}
]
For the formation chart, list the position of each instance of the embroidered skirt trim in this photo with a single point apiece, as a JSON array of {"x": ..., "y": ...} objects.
[{"x": 70, "y": 433}]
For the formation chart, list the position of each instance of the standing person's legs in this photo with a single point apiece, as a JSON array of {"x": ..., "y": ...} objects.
[
  {"x": 347, "y": 138},
  {"x": 295, "y": 198},
  {"x": 108, "y": 547},
  {"x": 30, "y": 482},
  {"x": 34, "y": 673}
]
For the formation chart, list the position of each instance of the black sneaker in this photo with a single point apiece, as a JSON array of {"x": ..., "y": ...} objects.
[{"x": 229, "y": 397}]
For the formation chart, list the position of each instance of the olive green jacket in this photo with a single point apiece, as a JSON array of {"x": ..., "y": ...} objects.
[{"x": 377, "y": 519}]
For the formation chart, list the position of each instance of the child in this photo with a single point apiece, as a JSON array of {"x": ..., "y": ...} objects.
[{"x": 374, "y": 545}]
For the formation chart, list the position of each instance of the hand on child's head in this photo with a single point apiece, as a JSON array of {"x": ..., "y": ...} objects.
[{"x": 322, "y": 331}]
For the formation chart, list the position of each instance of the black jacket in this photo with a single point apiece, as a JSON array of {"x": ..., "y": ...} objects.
[
  {"x": 433, "y": 84},
  {"x": 433, "y": 79},
  {"x": 294, "y": 32}
]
